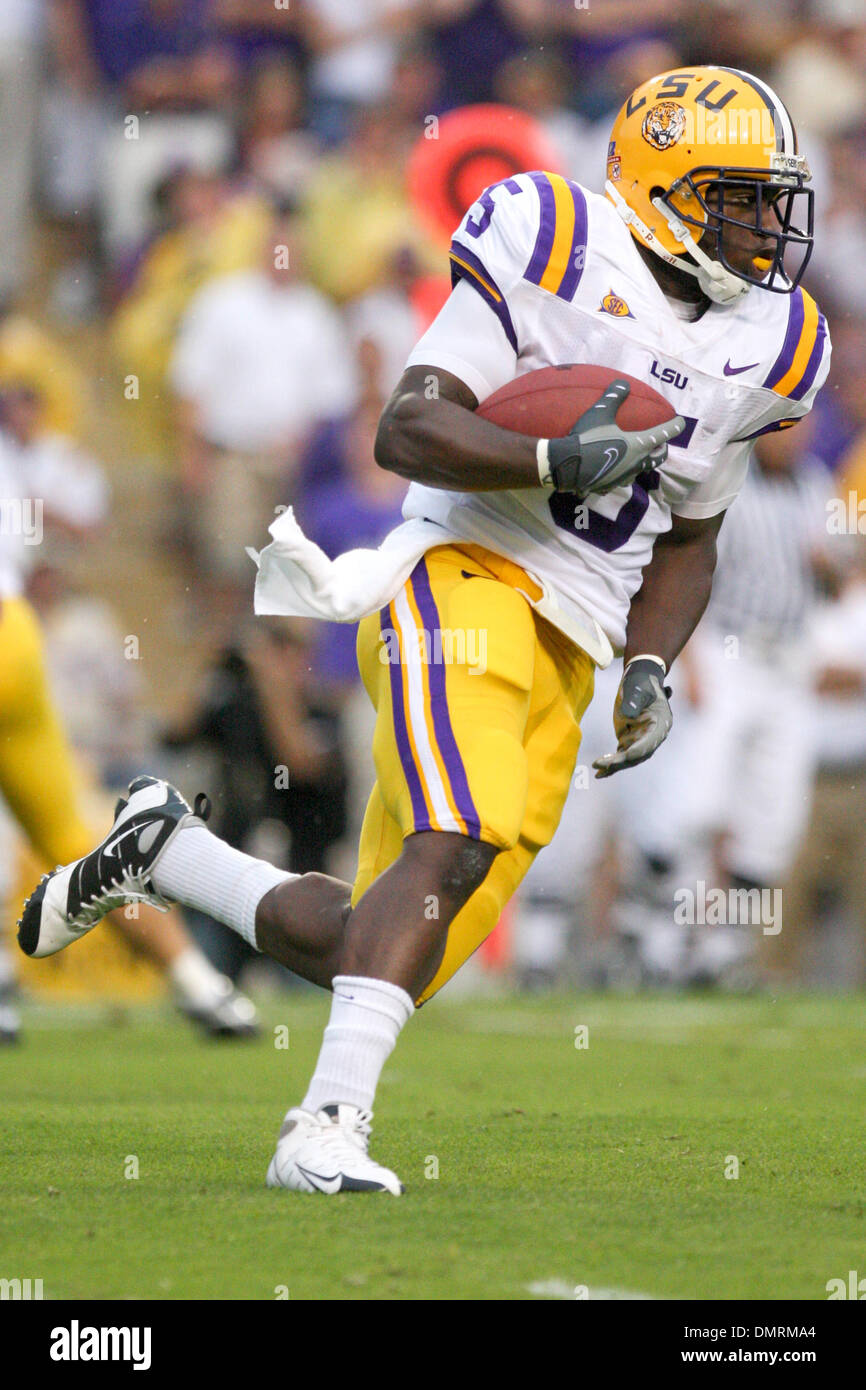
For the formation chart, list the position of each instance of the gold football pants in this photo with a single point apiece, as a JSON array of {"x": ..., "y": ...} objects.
[{"x": 478, "y": 706}]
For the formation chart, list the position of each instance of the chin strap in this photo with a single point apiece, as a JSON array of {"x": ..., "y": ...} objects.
[{"x": 718, "y": 284}]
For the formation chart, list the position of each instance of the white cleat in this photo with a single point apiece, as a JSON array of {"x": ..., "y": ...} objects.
[
  {"x": 73, "y": 899},
  {"x": 327, "y": 1153},
  {"x": 227, "y": 1014}
]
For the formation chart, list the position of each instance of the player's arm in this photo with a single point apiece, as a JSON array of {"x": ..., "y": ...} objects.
[
  {"x": 664, "y": 613},
  {"x": 675, "y": 590},
  {"x": 430, "y": 434}
]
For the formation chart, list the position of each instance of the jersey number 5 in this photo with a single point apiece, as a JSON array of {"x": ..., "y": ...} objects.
[
  {"x": 604, "y": 532},
  {"x": 488, "y": 204}
]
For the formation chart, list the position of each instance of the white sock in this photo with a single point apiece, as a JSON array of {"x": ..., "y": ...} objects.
[
  {"x": 195, "y": 979},
  {"x": 202, "y": 871},
  {"x": 366, "y": 1019}
]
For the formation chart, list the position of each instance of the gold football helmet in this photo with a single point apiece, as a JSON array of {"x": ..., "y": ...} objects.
[{"x": 685, "y": 151}]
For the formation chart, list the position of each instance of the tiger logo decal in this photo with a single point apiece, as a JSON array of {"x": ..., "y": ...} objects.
[{"x": 663, "y": 125}]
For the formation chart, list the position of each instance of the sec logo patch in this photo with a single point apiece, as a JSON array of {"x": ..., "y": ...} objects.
[{"x": 614, "y": 305}]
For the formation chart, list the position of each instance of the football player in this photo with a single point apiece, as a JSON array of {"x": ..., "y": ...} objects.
[
  {"x": 557, "y": 551},
  {"x": 40, "y": 785}
]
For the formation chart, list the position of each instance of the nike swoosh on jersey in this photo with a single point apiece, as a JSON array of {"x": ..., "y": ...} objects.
[{"x": 735, "y": 371}]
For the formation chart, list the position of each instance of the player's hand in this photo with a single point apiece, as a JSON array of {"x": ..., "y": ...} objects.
[
  {"x": 596, "y": 455},
  {"x": 642, "y": 717}
]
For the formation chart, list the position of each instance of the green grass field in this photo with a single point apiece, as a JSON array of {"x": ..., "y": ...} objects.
[{"x": 558, "y": 1166}]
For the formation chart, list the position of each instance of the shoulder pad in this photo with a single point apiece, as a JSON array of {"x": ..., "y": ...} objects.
[{"x": 530, "y": 227}]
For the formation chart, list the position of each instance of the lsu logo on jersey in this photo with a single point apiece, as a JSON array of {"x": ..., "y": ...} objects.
[
  {"x": 669, "y": 375},
  {"x": 664, "y": 124},
  {"x": 616, "y": 306}
]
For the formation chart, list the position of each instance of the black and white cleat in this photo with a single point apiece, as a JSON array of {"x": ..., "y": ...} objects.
[{"x": 69, "y": 902}]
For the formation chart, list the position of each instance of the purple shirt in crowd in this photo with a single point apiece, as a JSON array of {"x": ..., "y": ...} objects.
[{"x": 338, "y": 517}]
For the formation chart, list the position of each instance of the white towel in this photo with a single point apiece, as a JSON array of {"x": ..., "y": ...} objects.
[{"x": 297, "y": 579}]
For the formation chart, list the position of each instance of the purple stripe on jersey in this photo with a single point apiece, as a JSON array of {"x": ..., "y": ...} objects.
[
  {"x": 792, "y": 338},
  {"x": 546, "y": 230},
  {"x": 420, "y": 812},
  {"x": 571, "y": 278},
  {"x": 768, "y": 429},
  {"x": 814, "y": 362},
  {"x": 420, "y": 581},
  {"x": 499, "y": 307}
]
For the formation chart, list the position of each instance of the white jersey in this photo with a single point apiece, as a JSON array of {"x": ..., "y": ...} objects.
[{"x": 566, "y": 284}]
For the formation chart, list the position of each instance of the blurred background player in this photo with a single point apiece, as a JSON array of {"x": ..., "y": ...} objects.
[
  {"x": 47, "y": 484},
  {"x": 824, "y": 938}
]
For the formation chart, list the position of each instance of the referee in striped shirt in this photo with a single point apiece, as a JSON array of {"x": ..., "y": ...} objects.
[{"x": 748, "y": 767}]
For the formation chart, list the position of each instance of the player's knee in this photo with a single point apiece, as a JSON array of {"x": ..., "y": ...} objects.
[
  {"x": 466, "y": 869},
  {"x": 455, "y": 865}
]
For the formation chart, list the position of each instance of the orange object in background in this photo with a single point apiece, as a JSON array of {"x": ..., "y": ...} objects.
[
  {"x": 463, "y": 153},
  {"x": 428, "y": 294},
  {"x": 495, "y": 951}
]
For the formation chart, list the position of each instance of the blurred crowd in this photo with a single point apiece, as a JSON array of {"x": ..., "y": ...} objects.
[{"x": 207, "y": 199}]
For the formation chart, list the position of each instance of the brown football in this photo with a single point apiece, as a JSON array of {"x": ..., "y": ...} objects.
[{"x": 550, "y": 401}]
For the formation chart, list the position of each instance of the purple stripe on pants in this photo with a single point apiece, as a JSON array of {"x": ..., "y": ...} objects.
[
  {"x": 420, "y": 813},
  {"x": 420, "y": 581}
]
